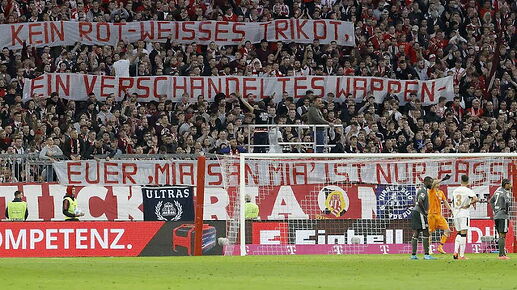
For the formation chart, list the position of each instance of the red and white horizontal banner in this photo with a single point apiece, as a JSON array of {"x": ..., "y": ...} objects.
[
  {"x": 125, "y": 203},
  {"x": 62, "y": 33},
  {"x": 78, "y": 86},
  {"x": 281, "y": 172}
]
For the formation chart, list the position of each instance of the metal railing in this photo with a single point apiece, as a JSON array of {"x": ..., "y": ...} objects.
[{"x": 319, "y": 137}]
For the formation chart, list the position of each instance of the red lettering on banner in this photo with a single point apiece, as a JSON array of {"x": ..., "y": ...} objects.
[
  {"x": 87, "y": 174},
  {"x": 336, "y": 29},
  {"x": 315, "y": 86},
  {"x": 302, "y": 173},
  {"x": 235, "y": 30},
  {"x": 265, "y": 25},
  {"x": 287, "y": 174},
  {"x": 212, "y": 172},
  {"x": 376, "y": 85},
  {"x": 194, "y": 86},
  {"x": 105, "y": 85},
  {"x": 427, "y": 94},
  {"x": 384, "y": 170},
  {"x": 444, "y": 168},
  {"x": 85, "y": 28},
  {"x": 144, "y": 34},
  {"x": 276, "y": 171},
  {"x": 249, "y": 173},
  {"x": 326, "y": 171},
  {"x": 34, "y": 32},
  {"x": 315, "y": 29},
  {"x": 360, "y": 84},
  {"x": 343, "y": 173},
  {"x": 229, "y": 88},
  {"x": 65, "y": 86},
  {"x": 291, "y": 22},
  {"x": 119, "y": 28},
  {"x": 281, "y": 26},
  {"x": 58, "y": 31},
  {"x": 176, "y": 86},
  {"x": 202, "y": 29},
  {"x": 89, "y": 85},
  {"x": 72, "y": 172},
  {"x": 108, "y": 173},
  {"x": 34, "y": 85},
  {"x": 128, "y": 170},
  {"x": 15, "y": 31},
  {"x": 284, "y": 83},
  {"x": 418, "y": 171},
  {"x": 188, "y": 30},
  {"x": 45, "y": 32},
  {"x": 212, "y": 88},
  {"x": 49, "y": 84},
  {"x": 246, "y": 87},
  {"x": 140, "y": 85},
  {"x": 398, "y": 178},
  {"x": 339, "y": 89},
  {"x": 299, "y": 29},
  {"x": 219, "y": 30},
  {"x": 462, "y": 167},
  {"x": 163, "y": 32},
  {"x": 156, "y": 94},
  {"x": 359, "y": 174},
  {"x": 159, "y": 171},
  {"x": 408, "y": 91},
  {"x": 124, "y": 84},
  {"x": 177, "y": 30},
  {"x": 186, "y": 170},
  {"x": 479, "y": 169},
  {"x": 495, "y": 173},
  {"x": 106, "y": 26},
  {"x": 262, "y": 96},
  {"x": 299, "y": 86},
  {"x": 394, "y": 86}
]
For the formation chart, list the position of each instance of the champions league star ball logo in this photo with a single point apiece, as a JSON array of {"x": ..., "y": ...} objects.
[
  {"x": 333, "y": 200},
  {"x": 173, "y": 211},
  {"x": 395, "y": 202}
]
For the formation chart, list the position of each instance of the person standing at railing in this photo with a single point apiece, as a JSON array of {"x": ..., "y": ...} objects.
[
  {"x": 233, "y": 149},
  {"x": 260, "y": 135},
  {"x": 315, "y": 117},
  {"x": 49, "y": 152},
  {"x": 16, "y": 210}
]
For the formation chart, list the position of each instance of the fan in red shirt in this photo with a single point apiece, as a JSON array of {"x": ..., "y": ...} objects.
[
  {"x": 476, "y": 109},
  {"x": 229, "y": 15},
  {"x": 437, "y": 42}
]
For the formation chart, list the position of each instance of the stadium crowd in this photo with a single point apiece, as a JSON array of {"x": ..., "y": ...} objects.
[{"x": 473, "y": 41}]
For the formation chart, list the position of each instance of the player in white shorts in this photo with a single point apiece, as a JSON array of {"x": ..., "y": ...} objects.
[{"x": 463, "y": 198}]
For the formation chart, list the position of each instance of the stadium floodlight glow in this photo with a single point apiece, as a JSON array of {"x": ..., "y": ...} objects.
[{"x": 319, "y": 203}]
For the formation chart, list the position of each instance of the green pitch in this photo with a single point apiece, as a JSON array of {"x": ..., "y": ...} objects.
[{"x": 482, "y": 271}]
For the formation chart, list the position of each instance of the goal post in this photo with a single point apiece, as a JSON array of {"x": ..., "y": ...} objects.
[{"x": 346, "y": 203}]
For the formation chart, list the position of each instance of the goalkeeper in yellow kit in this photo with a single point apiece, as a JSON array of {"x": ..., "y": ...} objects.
[{"x": 435, "y": 217}]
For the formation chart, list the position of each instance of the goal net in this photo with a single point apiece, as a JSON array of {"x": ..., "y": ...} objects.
[{"x": 349, "y": 203}]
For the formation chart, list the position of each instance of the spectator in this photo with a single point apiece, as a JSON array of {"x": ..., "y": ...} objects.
[{"x": 315, "y": 117}]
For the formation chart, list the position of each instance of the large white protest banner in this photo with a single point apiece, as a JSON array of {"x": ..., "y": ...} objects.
[
  {"x": 151, "y": 88},
  {"x": 292, "y": 172},
  {"x": 61, "y": 33}
]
